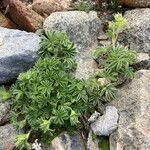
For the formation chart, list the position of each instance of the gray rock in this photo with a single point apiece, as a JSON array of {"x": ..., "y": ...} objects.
[
  {"x": 103, "y": 37},
  {"x": 137, "y": 33},
  {"x": 66, "y": 142},
  {"x": 5, "y": 112},
  {"x": 107, "y": 123},
  {"x": 39, "y": 32},
  {"x": 133, "y": 104},
  {"x": 82, "y": 29},
  {"x": 18, "y": 52},
  {"x": 92, "y": 143},
  {"x": 86, "y": 65},
  {"x": 94, "y": 117},
  {"x": 7, "y": 137},
  {"x": 142, "y": 62}
]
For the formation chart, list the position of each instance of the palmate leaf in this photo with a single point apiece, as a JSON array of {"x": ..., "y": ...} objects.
[
  {"x": 22, "y": 141},
  {"x": 60, "y": 115},
  {"x": 58, "y": 45},
  {"x": 21, "y": 124},
  {"x": 19, "y": 94},
  {"x": 94, "y": 98},
  {"x": 45, "y": 126},
  {"x": 74, "y": 118},
  {"x": 108, "y": 92},
  {"x": 112, "y": 76},
  {"x": 4, "y": 94},
  {"x": 129, "y": 73},
  {"x": 70, "y": 64}
]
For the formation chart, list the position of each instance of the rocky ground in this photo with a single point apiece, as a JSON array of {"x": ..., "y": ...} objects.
[{"x": 126, "y": 121}]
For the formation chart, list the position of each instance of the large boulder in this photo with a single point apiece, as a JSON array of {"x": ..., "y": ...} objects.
[
  {"x": 24, "y": 16},
  {"x": 133, "y": 104},
  {"x": 7, "y": 137},
  {"x": 135, "y": 3},
  {"x": 18, "y": 52},
  {"x": 82, "y": 29},
  {"x": 50, "y": 6},
  {"x": 137, "y": 33}
]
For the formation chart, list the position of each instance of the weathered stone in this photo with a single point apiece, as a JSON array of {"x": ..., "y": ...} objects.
[
  {"x": 50, "y": 6},
  {"x": 107, "y": 123},
  {"x": 104, "y": 42},
  {"x": 142, "y": 61},
  {"x": 83, "y": 29},
  {"x": 24, "y": 16},
  {"x": 92, "y": 143},
  {"x": 103, "y": 37},
  {"x": 86, "y": 65},
  {"x": 18, "y": 52},
  {"x": 133, "y": 104},
  {"x": 120, "y": 80},
  {"x": 7, "y": 137},
  {"x": 94, "y": 117},
  {"x": 137, "y": 33},
  {"x": 103, "y": 81},
  {"x": 40, "y": 32},
  {"x": 66, "y": 142},
  {"x": 135, "y": 3},
  {"x": 6, "y": 23},
  {"x": 5, "y": 112}
]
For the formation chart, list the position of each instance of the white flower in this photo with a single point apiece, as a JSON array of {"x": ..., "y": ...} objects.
[{"x": 36, "y": 145}]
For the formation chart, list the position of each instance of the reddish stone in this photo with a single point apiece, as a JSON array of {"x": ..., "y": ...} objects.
[
  {"x": 6, "y": 23},
  {"x": 135, "y": 3},
  {"x": 24, "y": 16},
  {"x": 48, "y": 6}
]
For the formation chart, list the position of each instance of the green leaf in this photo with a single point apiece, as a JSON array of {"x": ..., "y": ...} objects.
[
  {"x": 60, "y": 115},
  {"x": 108, "y": 92},
  {"x": 74, "y": 118},
  {"x": 4, "y": 95},
  {"x": 45, "y": 126},
  {"x": 22, "y": 141}
]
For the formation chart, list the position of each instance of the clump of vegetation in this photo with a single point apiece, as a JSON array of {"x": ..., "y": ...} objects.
[
  {"x": 84, "y": 5},
  {"x": 4, "y": 94},
  {"x": 48, "y": 99},
  {"x": 115, "y": 27},
  {"x": 114, "y": 58}
]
